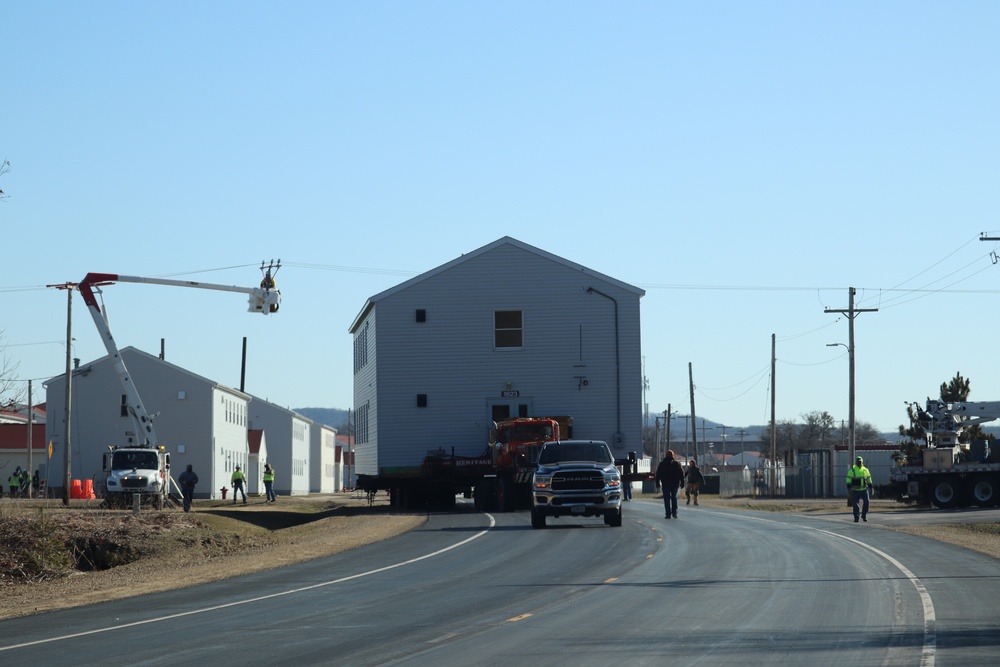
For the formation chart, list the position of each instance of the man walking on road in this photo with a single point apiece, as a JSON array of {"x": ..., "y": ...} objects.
[
  {"x": 669, "y": 476},
  {"x": 859, "y": 481},
  {"x": 694, "y": 481}
]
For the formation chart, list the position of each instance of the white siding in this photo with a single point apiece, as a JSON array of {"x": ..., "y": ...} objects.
[
  {"x": 569, "y": 363},
  {"x": 287, "y": 445},
  {"x": 186, "y": 421},
  {"x": 323, "y": 459}
]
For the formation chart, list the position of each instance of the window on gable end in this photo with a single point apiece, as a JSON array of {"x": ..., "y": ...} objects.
[{"x": 508, "y": 330}]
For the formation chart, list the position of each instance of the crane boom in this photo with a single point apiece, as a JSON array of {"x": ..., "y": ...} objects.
[{"x": 264, "y": 299}]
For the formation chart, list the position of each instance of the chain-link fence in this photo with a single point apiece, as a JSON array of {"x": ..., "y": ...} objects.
[{"x": 816, "y": 477}]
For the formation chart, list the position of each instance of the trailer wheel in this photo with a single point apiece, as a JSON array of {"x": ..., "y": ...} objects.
[
  {"x": 984, "y": 491},
  {"x": 946, "y": 493},
  {"x": 537, "y": 520},
  {"x": 444, "y": 497}
]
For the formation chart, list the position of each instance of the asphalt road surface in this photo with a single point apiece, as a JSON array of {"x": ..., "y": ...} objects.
[{"x": 714, "y": 587}]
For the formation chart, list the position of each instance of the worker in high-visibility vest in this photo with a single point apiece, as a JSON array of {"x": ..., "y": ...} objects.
[
  {"x": 238, "y": 480},
  {"x": 859, "y": 481},
  {"x": 269, "y": 483}
]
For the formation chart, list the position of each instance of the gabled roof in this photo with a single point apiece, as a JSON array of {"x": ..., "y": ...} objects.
[
  {"x": 85, "y": 368},
  {"x": 254, "y": 437},
  {"x": 506, "y": 240},
  {"x": 14, "y": 437}
]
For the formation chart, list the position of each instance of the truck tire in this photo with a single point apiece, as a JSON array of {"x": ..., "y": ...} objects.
[
  {"x": 506, "y": 500},
  {"x": 983, "y": 491},
  {"x": 486, "y": 495},
  {"x": 614, "y": 518},
  {"x": 537, "y": 520},
  {"x": 946, "y": 493}
]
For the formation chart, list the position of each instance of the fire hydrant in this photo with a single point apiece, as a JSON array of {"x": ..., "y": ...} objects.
[{"x": 224, "y": 489}]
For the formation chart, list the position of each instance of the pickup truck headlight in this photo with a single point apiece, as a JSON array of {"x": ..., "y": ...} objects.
[{"x": 542, "y": 481}]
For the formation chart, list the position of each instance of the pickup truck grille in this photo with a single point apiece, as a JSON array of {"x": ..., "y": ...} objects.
[{"x": 578, "y": 481}]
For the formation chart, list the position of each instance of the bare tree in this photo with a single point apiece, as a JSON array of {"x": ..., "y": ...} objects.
[{"x": 11, "y": 388}]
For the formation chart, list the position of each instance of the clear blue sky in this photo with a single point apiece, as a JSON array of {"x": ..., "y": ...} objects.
[{"x": 743, "y": 162}]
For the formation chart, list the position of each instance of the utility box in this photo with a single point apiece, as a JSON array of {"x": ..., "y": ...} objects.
[{"x": 942, "y": 457}]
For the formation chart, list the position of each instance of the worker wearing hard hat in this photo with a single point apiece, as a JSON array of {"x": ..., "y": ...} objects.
[
  {"x": 238, "y": 480},
  {"x": 859, "y": 481}
]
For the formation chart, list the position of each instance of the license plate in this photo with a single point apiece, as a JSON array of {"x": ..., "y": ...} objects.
[{"x": 577, "y": 510}]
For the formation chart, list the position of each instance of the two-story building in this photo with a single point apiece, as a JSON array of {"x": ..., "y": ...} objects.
[{"x": 505, "y": 330}]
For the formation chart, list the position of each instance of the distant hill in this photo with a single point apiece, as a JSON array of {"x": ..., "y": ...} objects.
[{"x": 334, "y": 417}]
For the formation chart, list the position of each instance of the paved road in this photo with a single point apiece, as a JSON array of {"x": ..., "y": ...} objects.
[{"x": 716, "y": 587}]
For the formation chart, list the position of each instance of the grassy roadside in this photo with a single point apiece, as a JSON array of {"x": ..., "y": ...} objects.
[{"x": 55, "y": 557}]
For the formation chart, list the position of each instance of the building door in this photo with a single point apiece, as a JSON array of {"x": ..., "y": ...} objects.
[{"x": 505, "y": 408}]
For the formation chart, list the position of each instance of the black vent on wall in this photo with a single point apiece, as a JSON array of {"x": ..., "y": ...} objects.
[
  {"x": 421, "y": 315},
  {"x": 421, "y": 400}
]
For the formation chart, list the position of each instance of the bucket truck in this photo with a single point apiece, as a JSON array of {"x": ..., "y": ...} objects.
[
  {"x": 952, "y": 474},
  {"x": 142, "y": 469}
]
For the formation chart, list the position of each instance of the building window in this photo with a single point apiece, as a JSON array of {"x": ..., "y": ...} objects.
[
  {"x": 508, "y": 331},
  {"x": 361, "y": 349}
]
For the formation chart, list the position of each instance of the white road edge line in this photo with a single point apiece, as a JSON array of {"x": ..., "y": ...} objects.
[
  {"x": 203, "y": 610},
  {"x": 929, "y": 650}
]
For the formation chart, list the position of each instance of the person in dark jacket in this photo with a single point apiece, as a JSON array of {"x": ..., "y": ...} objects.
[
  {"x": 187, "y": 481},
  {"x": 694, "y": 481},
  {"x": 669, "y": 476}
]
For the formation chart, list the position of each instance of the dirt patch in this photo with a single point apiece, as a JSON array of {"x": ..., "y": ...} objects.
[{"x": 52, "y": 557}]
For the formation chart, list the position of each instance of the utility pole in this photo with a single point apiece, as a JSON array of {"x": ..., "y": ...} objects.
[
  {"x": 774, "y": 425},
  {"x": 656, "y": 439},
  {"x": 694, "y": 426},
  {"x": 645, "y": 387},
  {"x": 668, "y": 415},
  {"x": 851, "y": 313},
  {"x": 742, "y": 433},
  {"x": 31, "y": 418},
  {"x": 67, "y": 470}
]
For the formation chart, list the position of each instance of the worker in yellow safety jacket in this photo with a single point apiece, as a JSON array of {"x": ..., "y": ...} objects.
[
  {"x": 859, "y": 482},
  {"x": 238, "y": 481},
  {"x": 269, "y": 483}
]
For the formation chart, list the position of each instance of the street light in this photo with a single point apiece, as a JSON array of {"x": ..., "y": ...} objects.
[{"x": 850, "y": 401}]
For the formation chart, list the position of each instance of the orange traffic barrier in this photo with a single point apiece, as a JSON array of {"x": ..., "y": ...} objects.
[
  {"x": 88, "y": 490},
  {"x": 75, "y": 489}
]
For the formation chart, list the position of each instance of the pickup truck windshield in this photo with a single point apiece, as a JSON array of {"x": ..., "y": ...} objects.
[{"x": 588, "y": 451}]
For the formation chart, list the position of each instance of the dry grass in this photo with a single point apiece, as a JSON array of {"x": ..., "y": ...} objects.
[{"x": 47, "y": 552}]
